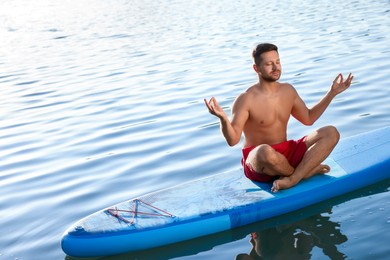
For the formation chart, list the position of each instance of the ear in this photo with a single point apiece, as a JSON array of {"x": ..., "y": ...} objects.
[{"x": 255, "y": 68}]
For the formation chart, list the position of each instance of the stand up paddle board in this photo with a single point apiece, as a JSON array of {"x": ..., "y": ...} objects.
[{"x": 224, "y": 201}]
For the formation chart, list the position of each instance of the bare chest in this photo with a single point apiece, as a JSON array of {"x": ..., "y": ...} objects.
[{"x": 267, "y": 112}]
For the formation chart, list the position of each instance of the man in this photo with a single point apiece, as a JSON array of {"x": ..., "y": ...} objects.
[{"x": 262, "y": 112}]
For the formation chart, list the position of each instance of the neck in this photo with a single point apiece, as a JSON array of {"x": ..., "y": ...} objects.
[{"x": 268, "y": 86}]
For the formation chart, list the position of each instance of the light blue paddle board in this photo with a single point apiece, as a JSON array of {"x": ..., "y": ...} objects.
[{"x": 224, "y": 201}]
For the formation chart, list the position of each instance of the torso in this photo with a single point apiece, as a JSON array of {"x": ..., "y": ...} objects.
[{"x": 268, "y": 115}]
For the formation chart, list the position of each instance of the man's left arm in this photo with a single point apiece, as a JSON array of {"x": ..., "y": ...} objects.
[{"x": 339, "y": 85}]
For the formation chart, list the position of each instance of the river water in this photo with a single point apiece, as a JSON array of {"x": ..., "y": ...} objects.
[{"x": 102, "y": 101}]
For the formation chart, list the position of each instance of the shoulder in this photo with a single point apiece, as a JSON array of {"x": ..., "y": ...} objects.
[
  {"x": 287, "y": 86},
  {"x": 247, "y": 94},
  {"x": 288, "y": 89},
  {"x": 243, "y": 100}
]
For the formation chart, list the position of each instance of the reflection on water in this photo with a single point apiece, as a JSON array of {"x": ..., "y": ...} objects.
[{"x": 297, "y": 240}]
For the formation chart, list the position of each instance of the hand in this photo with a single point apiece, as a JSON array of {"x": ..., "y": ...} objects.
[
  {"x": 339, "y": 85},
  {"x": 214, "y": 108}
]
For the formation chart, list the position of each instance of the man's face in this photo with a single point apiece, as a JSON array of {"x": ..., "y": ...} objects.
[{"x": 270, "y": 68}]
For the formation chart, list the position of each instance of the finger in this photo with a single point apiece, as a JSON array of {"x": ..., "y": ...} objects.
[
  {"x": 336, "y": 80},
  {"x": 208, "y": 104},
  {"x": 215, "y": 103},
  {"x": 349, "y": 79}
]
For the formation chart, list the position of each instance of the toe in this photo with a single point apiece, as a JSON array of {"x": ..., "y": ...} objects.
[{"x": 275, "y": 187}]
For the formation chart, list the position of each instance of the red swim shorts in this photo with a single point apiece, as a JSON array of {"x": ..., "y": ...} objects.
[{"x": 292, "y": 150}]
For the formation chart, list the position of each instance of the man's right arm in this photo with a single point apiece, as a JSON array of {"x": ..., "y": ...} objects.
[{"x": 231, "y": 130}]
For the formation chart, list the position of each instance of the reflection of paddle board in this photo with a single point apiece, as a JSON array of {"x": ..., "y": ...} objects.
[{"x": 224, "y": 201}]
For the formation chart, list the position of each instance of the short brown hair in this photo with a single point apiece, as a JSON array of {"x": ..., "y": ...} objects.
[{"x": 260, "y": 49}]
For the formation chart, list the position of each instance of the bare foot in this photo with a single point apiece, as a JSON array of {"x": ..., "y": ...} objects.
[
  {"x": 280, "y": 184},
  {"x": 320, "y": 169},
  {"x": 287, "y": 182}
]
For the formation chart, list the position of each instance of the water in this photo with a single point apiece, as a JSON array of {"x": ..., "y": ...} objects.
[{"x": 102, "y": 101}]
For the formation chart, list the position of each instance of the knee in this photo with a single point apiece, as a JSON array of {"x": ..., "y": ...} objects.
[
  {"x": 261, "y": 157},
  {"x": 331, "y": 133},
  {"x": 266, "y": 154}
]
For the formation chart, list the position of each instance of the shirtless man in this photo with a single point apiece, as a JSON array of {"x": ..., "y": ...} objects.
[{"x": 262, "y": 112}]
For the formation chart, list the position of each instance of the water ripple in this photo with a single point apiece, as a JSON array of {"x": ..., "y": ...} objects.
[{"x": 103, "y": 101}]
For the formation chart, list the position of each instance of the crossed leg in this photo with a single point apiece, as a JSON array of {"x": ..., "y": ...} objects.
[{"x": 264, "y": 159}]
